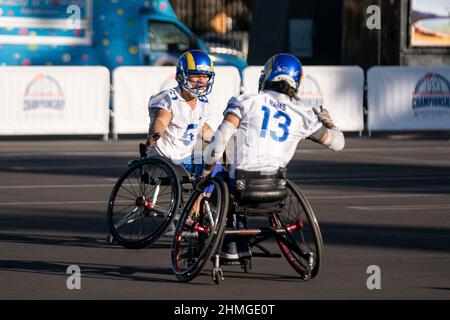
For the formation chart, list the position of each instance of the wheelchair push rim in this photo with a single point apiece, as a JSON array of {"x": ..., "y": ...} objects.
[
  {"x": 198, "y": 233},
  {"x": 302, "y": 243},
  {"x": 143, "y": 203}
]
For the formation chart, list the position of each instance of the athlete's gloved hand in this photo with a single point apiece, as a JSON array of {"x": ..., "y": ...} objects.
[
  {"x": 201, "y": 181},
  {"x": 143, "y": 150},
  {"x": 324, "y": 117}
]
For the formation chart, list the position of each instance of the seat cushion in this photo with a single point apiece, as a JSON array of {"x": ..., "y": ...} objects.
[{"x": 254, "y": 189}]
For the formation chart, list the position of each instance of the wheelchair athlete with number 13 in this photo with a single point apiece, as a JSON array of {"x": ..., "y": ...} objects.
[{"x": 267, "y": 127}]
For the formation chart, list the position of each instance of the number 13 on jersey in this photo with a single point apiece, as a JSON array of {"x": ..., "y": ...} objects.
[{"x": 284, "y": 121}]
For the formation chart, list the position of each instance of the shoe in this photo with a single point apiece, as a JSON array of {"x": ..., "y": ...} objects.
[
  {"x": 170, "y": 231},
  {"x": 229, "y": 251}
]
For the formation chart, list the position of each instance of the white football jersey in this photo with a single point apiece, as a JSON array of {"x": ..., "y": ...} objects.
[
  {"x": 179, "y": 139},
  {"x": 271, "y": 127}
]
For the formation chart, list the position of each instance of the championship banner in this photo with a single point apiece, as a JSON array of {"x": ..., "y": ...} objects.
[
  {"x": 54, "y": 100},
  {"x": 408, "y": 98},
  {"x": 338, "y": 89},
  {"x": 133, "y": 87}
]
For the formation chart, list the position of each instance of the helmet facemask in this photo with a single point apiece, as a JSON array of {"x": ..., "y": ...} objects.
[
  {"x": 191, "y": 63},
  {"x": 198, "y": 88}
]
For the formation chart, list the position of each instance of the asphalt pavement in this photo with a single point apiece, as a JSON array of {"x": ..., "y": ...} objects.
[{"x": 382, "y": 202}]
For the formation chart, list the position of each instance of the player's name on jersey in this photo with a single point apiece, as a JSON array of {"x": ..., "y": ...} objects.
[{"x": 278, "y": 105}]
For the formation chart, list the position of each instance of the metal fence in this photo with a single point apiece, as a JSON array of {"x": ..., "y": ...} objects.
[{"x": 223, "y": 24}]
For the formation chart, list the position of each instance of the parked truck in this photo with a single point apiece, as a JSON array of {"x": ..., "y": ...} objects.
[{"x": 96, "y": 32}]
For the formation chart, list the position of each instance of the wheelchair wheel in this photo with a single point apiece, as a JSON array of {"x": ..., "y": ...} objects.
[
  {"x": 143, "y": 203},
  {"x": 301, "y": 243},
  {"x": 198, "y": 234}
]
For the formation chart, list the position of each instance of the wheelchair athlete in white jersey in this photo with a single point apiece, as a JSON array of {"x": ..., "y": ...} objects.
[
  {"x": 266, "y": 128},
  {"x": 147, "y": 197},
  {"x": 180, "y": 114}
]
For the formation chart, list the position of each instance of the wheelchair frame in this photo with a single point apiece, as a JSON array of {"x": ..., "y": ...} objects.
[
  {"x": 176, "y": 176},
  {"x": 306, "y": 262}
]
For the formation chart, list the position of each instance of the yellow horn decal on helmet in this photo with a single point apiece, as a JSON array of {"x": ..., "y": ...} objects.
[
  {"x": 301, "y": 78},
  {"x": 212, "y": 64},
  {"x": 268, "y": 68},
  {"x": 190, "y": 61}
]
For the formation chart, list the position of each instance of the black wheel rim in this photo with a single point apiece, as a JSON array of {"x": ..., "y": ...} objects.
[
  {"x": 304, "y": 233},
  {"x": 195, "y": 234},
  {"x": 142, "y": 203}
]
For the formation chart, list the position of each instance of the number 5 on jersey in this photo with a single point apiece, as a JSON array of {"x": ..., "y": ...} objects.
[{"x": 189, "y": 135}]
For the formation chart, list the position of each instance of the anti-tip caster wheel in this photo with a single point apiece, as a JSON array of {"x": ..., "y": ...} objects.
[
  {"x": 110, "y": 239},
  {"x": 246, "y": 264}
]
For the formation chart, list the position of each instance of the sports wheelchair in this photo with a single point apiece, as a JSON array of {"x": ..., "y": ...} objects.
[
  {"x": 146, "y": 200},
  {"x": 199, "y": 235}
]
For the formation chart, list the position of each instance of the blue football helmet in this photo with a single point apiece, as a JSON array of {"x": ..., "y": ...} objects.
[
  {"x": 195, "y": 62},
  {"x": 282, "y": 67}
]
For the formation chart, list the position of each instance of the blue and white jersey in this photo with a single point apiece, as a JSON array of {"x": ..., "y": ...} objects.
[
  {"x": 271, "y": 127},
  {"x": 179, "y": 139}
]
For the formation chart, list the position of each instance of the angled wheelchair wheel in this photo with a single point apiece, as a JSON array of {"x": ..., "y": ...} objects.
[
  {"x": 301, "y": 242},
  {"x": 143, "y": 203},
  {"x": 199, "y": 229}
]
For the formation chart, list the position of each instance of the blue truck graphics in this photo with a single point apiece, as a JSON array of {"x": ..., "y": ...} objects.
[{"x": 112, "y": 33}]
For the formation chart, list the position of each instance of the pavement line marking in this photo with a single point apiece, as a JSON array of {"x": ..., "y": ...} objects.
[
  {"x": 53, "y": 154},
  {"x": 66, "y": 167},
  {"x": 308, "y": 191},
  {"x": 58, "y": 186},
  {"x": 439, "y": 148},
  {"x": 403, "y": 207},
  {"x": 60, "y": 202},
  {"x": 378, "y": 149},
  {"x": 51, "y": 234},
  {"x": 388, "y": 195},
  {"x": 334, "y": 179},
  {"x": 384, "y": 159},
  {"x": 50, "y": 203},
  {"x": 299, "y": 181},
  {"x": 311, "y": 197}
]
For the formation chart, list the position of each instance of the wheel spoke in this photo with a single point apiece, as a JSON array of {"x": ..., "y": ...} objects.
[
  {"x": 123, "y": 188},
  {"x": 129, "y": 218},
  {"x": 129, "y": 183},
  {"x": 297, "y": 244},
  {"x": 138, "y": 223},
  {"x": 122, "y": 210}
]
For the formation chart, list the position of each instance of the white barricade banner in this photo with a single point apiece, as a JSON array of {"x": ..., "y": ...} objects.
[
  {"x": 408, "y": 98},
  {"x": 338, "y": 89},
  {"x": 133, "y": 87},
  {"x": 54, "y": 100}
]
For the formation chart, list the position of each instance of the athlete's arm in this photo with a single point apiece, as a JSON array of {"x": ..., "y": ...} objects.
[
  {"x": 332, "y": 138},
  {"x": 328, "y": 135},
  {"x": 216, "y": 148},
  {"x": 158, "y": 126}
]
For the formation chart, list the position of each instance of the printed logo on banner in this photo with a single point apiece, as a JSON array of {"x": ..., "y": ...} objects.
[
  {"x": 431, "y": 97},
  {"x": 43, "y": 92},
  {"x": 310, "y": 93}
]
